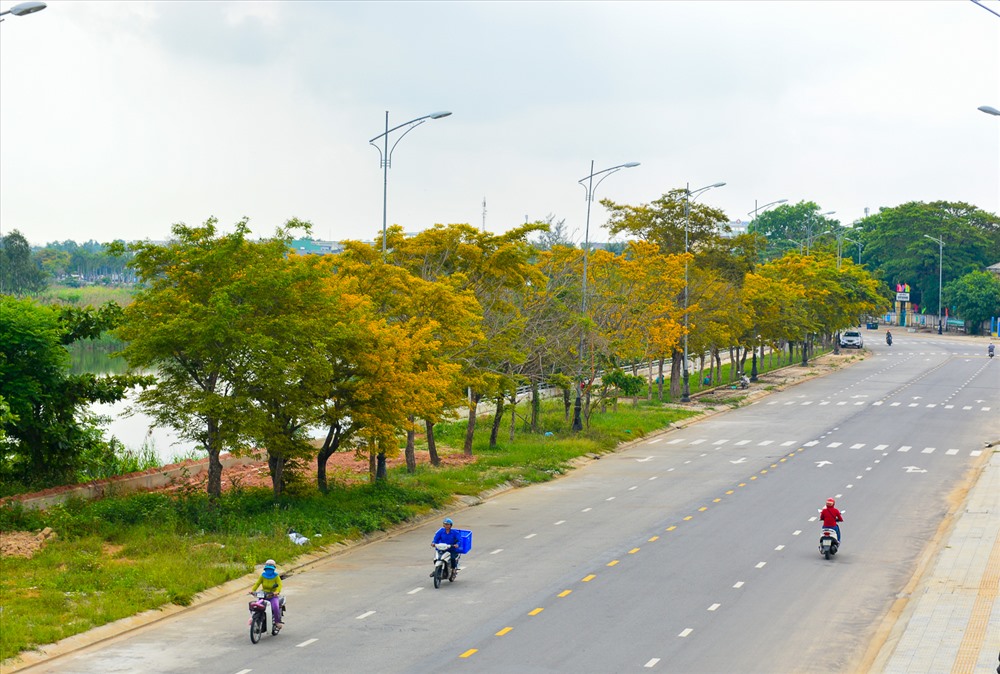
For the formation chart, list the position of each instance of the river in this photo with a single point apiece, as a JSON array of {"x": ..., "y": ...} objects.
[{"x": 133, "y": 430}]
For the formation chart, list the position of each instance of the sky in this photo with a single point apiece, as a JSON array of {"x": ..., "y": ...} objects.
[{"x": 119, "y": 119}]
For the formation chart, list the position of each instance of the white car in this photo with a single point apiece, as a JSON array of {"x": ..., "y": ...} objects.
[{"x": 851, "y": 338}]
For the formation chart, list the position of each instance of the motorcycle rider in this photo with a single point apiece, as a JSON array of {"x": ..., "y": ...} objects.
[
  {"x": 990, "y": 349},
  {"x": 830, "y": 516},
  {"x": 888, "y": 338},
  {"x": 447, "y": 535},
  {"x": 270, "y": 582}
]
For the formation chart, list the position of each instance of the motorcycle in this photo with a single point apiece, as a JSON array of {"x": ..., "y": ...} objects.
[
  {"x": 258, "y": 616},
  {"x": 990, "y": 350},
  {"x": 888, "y": 339},
  {"x": 828, "y": 543},
  {"x": 442, "y": 564}
]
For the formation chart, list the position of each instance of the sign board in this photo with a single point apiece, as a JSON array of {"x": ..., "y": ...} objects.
[{"x": 902, "y": 297}]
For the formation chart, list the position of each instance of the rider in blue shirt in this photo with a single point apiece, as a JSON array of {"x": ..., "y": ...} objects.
[{"x": 447, "y": 535}]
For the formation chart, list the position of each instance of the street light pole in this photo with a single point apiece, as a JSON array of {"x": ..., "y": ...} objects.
[
  {"x": 688, "y": 195},
  {"x": 385, "y": 156},
  {"x": 753, "y": 224},
  {"x": 940, "y": 273},
  {"x": 589, "y": 187},
  {"x": 809, "y": 238}
]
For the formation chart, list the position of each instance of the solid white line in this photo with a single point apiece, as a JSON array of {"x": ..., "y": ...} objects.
[
  {"x": 610, "y": 498},
  {"x": 714, "y": 606},
  {"x": 653, "y": 478},
  {"x": 654, "y": 441},
  {"x": 496, "y": 551},
  {"x": 586, "y": 510},
  {"x": 560, "y": 522},
  {"x": 414, "y": 591},
  {"x": 306, "y": 643},
  {"x": 635, "y": 487},
  {"x": 530, "y": 536},
  {"x": 685, "y": 632},
  {"x": 739, "y": 584},
  {"x": 365, "y": 615},
  {"x": 652, "y": 662}
]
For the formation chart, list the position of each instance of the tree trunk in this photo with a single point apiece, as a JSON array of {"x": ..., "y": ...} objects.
[
  {"x": 659, "y": 380},
  {"x": 276, "y": 464},
  {"x": 432, "y": 445},
  {"x": 497, "y": 418},
  {"x": 411, "y": 458},
  {"x": 513, "y": 414},
  {"x": 330, "y": 445},
  {"x": 380, "y": 471},
  {"x": 214, "y": 447},
  {"x": 676, "y": 367},
  {"x": 470, "y": 430},
  {"x": 536, "y": 406},
  {"x": 567, "y": 403}
]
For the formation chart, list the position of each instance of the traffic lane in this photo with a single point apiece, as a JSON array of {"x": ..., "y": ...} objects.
[{"x": 616, "y": 612}]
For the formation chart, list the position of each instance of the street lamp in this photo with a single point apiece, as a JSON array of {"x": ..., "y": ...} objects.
[
  {"x": 989, "y": 110},
  {"x": 753, "y": 224},
  {"x": 385, "y": 155},
  {"x": 24, "y": 8},
  {"x": 940, "y": 273},
  {"x": 589, "y": 187},
  {"x": 810, "y": 238},
  {"x": 688, "y": 195}
]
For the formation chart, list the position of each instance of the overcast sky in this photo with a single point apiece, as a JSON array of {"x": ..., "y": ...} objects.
[{"x": 118, "y": 119}]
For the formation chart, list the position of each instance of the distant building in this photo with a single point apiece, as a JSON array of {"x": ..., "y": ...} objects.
[
  {"x": 994, "y": 269},
  {"x": 316, "y": 247},
  {"x": 735, "y": 229}
]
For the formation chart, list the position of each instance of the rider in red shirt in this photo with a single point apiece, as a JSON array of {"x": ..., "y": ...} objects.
[{"x": 830, "y": 517}]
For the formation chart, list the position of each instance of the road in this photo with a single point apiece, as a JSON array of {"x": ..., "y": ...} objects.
[{"x": 693, "y": 551}]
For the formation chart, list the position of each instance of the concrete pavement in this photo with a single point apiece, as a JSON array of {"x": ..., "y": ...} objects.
[{"x": 951, "y": 621}]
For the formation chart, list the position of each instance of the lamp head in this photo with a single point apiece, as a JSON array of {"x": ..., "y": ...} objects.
[
  {"x": 781, "y": 201},
  {"x": 26, "y": 8},
  {"x": 631, "y": 164},
  {"x": 717, "y": 185},
  {"x": 989, "y": 110},
  {"x": 439, "y": 115}
]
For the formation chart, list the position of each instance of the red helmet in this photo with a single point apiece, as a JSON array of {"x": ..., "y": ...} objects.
[{"x": 830, "y": 501}]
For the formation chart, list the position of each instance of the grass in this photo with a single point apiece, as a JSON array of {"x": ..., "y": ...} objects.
[{"x": 86, "y": 296}]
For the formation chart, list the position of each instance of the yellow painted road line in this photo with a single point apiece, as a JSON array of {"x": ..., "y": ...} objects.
[
  {"x": 587, "y": 579},
  {"x": 633, "y": 551},
  {"x": 716, "y": 500},
  {"x": 742, "y": 484},
  {"x": 564, "y": 593},
  {"x": 731, "y": 491},
  {"x": 504, "y": 631},
  {"x": 536, "y": 611},
  {"x": 612, "y": 562},
  {"x": 654, "y": 538},
  {"x": 753, "y": 477},
  {"x": 469, "y": 652},
  {"x": 702, "y": 509},
  {"x": 672, "y": 527},
  {"x": 688, "y": 518}
]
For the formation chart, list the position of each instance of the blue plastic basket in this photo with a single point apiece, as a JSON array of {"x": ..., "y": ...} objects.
[{"x": 464, "y": 541}]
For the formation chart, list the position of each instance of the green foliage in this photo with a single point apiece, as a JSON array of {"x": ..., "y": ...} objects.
[
  {"x": 975, "y": 297},
  {"x": 49, "y": 437},
  {"x": 19, "y": 272}
]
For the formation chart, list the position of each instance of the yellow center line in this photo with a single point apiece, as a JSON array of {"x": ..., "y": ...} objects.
[
  {"x": 774, "y": 465},
  {"x": 564, "y": 593},
  {"x": 672, "y": 527},
  {"x": 742, "y": 484},
  {"x": 612, "y": 562},
  {"x": 763, "y": 472},
  {"x": 587, "y": 579},
  {"x": 702, "y": 509},
  {"x": 753, "y": 477},
  {"x": 716, "y": 500},
  {"x": 536, "y": 611},
  {"x": 504, "y": 631},
  {"x": 688, "y": 517},
  {"x": 633, "y": 551},
  {"x": 469, "y": 652},
  {"x": 654, "y": 538},
  {"x": 730, "y": 492}
]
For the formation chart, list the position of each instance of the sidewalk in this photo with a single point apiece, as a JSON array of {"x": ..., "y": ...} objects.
[{"x": 952, "y": 621}]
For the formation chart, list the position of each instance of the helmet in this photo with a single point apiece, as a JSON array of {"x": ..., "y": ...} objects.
[
  {"x": 269, "y": 563},
  {"x": 447, "y": 520},
  {"x": 830, "y": 502}
]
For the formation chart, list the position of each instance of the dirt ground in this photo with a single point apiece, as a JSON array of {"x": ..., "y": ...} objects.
[{"x": 346, "y": 467}]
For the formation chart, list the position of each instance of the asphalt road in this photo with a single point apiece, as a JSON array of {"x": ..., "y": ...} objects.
[{"x": 694, "y": 551}]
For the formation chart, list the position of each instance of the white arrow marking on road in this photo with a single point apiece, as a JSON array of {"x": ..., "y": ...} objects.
[
  {"x": 739, "y": 460},
  {"x": 820, "y": 464},
  {"x": 644, "y": 460},
  {"x": 914, "y": 469}
]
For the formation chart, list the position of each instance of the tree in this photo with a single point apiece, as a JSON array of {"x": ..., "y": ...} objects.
[
  {"x": 19, "y": 274},
  {"x": 196, "y": 322},
  {"x": 48, "y": 437},
  {"x": 554, "y": 234},
  {"x": 975, "y": 297},
  {"x": 789, "y": 227}
]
